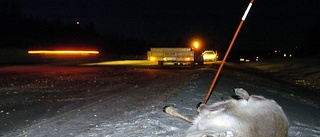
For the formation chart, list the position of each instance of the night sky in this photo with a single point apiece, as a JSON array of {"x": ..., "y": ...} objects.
[{"x": 270, "y": 23}]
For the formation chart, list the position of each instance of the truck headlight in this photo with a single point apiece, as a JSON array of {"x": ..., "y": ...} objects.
[{"x": 152, "y": 58}]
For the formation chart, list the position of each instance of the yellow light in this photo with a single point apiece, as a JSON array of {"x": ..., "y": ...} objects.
[
  {"x": 241, "y": 59},
  {"x": 152, "y": 58},
  {"x": 209, "y": 56},
  {"x": 63, "y": 52},
  {"x": 196, "y": 44},
  {"x": 187, "y": 59}
]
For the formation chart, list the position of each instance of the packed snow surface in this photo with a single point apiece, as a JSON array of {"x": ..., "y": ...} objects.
[{"x": 128, "y": 101}]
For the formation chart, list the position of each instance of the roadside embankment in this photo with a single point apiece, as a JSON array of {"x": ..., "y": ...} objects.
[{"x": 300, "y": 71}]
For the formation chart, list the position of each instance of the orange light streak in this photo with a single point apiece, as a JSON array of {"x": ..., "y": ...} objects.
[{"x": 63, "y": 52}]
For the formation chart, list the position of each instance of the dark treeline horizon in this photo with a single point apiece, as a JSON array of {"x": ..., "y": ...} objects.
[
  {"x": 28, "y": 32},
  {"x": 18, "y": 31}
]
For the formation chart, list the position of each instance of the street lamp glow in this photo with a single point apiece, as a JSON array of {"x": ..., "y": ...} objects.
[{"x": 196, "y": 44}]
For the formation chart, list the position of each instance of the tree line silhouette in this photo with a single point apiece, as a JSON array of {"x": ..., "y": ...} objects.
[
  {"x": 28, "y": 32},
  {"x": 18, "y": 31}
]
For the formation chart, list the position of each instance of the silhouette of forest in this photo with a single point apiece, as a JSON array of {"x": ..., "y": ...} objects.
[{"x": 18, "y": 31}]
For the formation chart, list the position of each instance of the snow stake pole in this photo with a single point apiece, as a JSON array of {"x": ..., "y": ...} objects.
[{"x": 227, "y": 53}]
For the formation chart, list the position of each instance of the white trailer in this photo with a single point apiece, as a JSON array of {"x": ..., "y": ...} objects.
[{"x": 175, "y": 55}]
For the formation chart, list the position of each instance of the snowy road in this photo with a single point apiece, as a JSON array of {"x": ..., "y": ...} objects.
[{"x": 128, "y": 101}]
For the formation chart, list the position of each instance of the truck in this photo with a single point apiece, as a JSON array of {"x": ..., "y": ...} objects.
[{"x": 174, "y": 55}]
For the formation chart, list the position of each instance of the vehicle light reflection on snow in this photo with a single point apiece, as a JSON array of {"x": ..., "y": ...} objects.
[
  {"x": 123, "y": 62},
  {"x": 132, "y": 63}
]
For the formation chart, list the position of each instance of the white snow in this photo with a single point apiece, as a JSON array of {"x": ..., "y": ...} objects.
[
  {"x": 301, "y": 71},
  {"x": 140, "y": 112}
]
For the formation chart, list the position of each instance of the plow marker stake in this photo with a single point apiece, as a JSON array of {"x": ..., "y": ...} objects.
[{"x": 227, "y": 53}]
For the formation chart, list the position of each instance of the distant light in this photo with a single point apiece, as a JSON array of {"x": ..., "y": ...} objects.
[
  {"x": 82, "y": 52},
  {"x": 290, "y": 55},
  {"x": 284, "y": 55},
  {"x": 196, "y": 44},
  {"x": 77, "y": 22},
  {"x": 244, "y": 60}
]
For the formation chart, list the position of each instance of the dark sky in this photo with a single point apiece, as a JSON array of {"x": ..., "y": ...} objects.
[{"x": 270, "y": 23}]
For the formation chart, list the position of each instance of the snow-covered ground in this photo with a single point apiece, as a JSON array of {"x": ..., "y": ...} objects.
[
  {"x": 137, "y": 112},
  {"x": 301, "y": 71}
]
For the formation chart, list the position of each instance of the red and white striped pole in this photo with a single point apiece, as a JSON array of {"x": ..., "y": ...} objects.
[{"x": 227, "y": 53}]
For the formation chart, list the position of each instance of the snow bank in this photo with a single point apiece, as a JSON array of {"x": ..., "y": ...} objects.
[{"x": 301, "y": 71}]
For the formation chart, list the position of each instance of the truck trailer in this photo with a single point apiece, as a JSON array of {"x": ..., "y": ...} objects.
[{"x": 174, "y": 55}]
